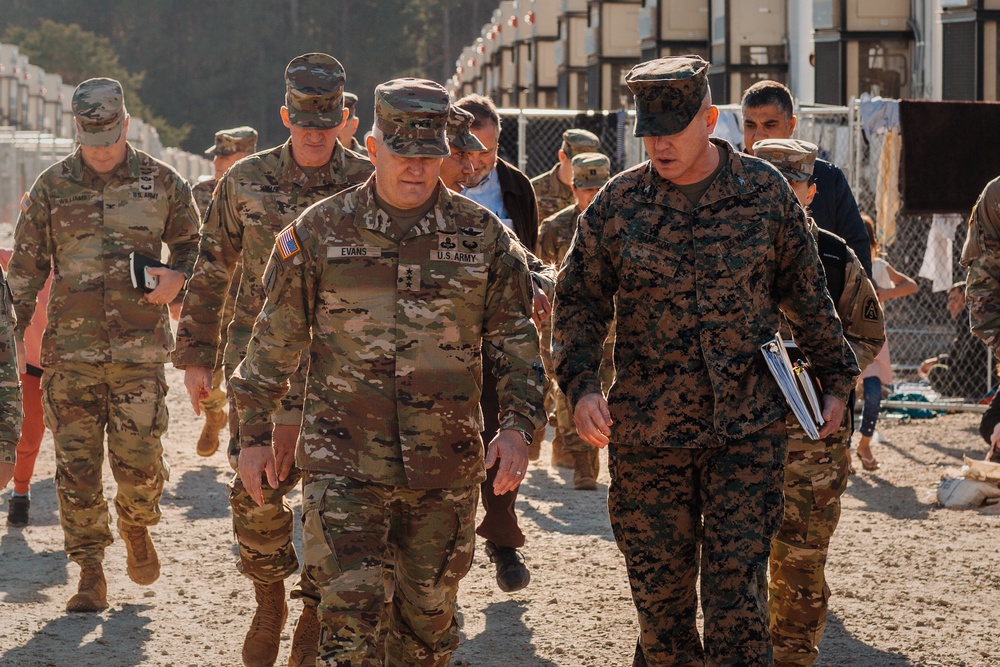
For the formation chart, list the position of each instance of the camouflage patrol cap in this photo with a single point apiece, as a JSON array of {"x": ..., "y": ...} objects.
[
  {"x": 99, "y": 108},
  {"x": 413, "y": 117},
  {"x": 350, "y": 101},
  {"x": 794, "y": 159},
  {"x": 576, "y": 141},
  {"x": 314, "y": 91},
  {"x": 591, "y": 170},
  {"x": 460, "y": 135},
  {"x": 241, "y": 139},
  {"x": 668, "y": 94}
]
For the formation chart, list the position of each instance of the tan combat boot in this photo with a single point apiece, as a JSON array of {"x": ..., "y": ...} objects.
[
  {"x": 142, "y": 563},
  {"x": 260, "y": 646},
  {"x": 560, "y": 458},
  {"x": 585, "y": 468},
  {"x": 92, "y": 594},
  {"x": 208, "y": 441},
  {"x": 305, "y": 641}
]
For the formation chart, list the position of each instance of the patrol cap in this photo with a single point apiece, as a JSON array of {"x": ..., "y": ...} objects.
[
  {"x": 241, "y": 139},
  {"x": 413, "y": 117},
  {"x": 460, "y": 135},
  {"x": 576, "y": 141},
  {"x": 350, "y": 101},
  {"x": 591, "y": 170},
  {"x": 795, "y": 159},
  {"x": 668, "y": 93},
  {"x": 314, "y": 91},
  {"x": 99, "y": 108}
]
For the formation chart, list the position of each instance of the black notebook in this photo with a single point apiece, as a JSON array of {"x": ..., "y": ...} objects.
[{"x": 141, "y": 279}]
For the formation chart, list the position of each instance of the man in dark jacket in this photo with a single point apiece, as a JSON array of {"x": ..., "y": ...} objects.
[
  {"x": 768, "y": 114},
  {"x": 503, "y": 189}
]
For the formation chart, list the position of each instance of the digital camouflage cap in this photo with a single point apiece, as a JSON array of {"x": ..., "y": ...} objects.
[
  {"x": 350, "y": 101},
  {"x": 241, "y": 139},
  {"x": 668, "y": 94},
  {"x": 413, "y": 117},
  {"x": 460, "y": 135},
  {"x": 795, "y": 159},
  {"x": 576, "y": 141},
  {"x": 591, "y": 170},
  {"x": 314, "y": 91},
  {"x": 99, "y": 108}
]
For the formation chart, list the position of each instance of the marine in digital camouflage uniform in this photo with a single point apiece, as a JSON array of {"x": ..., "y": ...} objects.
[
  {"x": 10, "y": 386},
  {"x": 256, "y": 198},
  {"x": 697, "y": 253},
  {"x": 105, "y": 343},
  {"x": 230, "y": 146},
  {"x": 816, "y": 470},
  {"x": 553, "y": 190},
  {"x": 590, "y": 172},
  {"x": 395, "y": 290}
]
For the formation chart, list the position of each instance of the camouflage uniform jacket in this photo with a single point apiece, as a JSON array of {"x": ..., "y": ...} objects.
[
  {"x": 395, "y": 328},
  {"x": 551, "y": 194},
  {"x": 10, "y": 387},
  {"x": 258, "y": 197},
  {"x": 981, "y": 256},
  {"x": 699, "y": 290},
  {"x": 556, "y": 233},
  {"x": 84, "y": 229}
]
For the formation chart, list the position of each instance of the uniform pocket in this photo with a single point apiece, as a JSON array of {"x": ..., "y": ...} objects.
[
  {"x": 461, "y": 546},
  {"x": 50, "y": 415}
]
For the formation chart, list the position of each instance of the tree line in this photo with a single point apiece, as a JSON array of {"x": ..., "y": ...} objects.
[{"x": 191, "y": 68}]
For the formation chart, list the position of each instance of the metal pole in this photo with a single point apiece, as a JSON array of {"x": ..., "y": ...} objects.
[
  {"x": 522, "y": 141},
  {"x": 935, "y": 405}
]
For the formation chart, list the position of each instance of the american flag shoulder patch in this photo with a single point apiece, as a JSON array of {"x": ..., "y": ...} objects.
[
  {"x": 26, "y": 203},
  {"x": 288, "y": 243}
]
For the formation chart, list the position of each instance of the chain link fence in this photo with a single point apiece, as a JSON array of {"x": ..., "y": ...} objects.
[{"x": 926, "y": 248}]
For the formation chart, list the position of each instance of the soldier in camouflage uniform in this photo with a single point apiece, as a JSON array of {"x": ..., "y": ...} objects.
[
  {"x": 553, "y": 188},
  {"x": 105, "y": 343},
  {"x": 255, "y": 199},
  {"x": 350, "y": 127},
  {"x": 10, "y": 386},
  {"x": 590, "y": 172},
  {"x": 395, "y": 288},
  {"x": 816, "y": 470},
  {"x": 696, "y": 253},
  {"x": 981, "y": 256},
  {"x": 230, "y": 147}
]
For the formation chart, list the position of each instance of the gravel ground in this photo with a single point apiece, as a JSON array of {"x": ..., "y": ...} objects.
[{"x": 912, "y": 584}]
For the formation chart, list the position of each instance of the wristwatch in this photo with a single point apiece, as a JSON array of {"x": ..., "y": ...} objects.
[{"x": 525, "y": 435}]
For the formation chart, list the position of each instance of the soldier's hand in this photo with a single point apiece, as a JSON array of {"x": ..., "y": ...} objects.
[
  {"x": 168, "y": 286},
  {"x": 255, "y": 462},
  {"x": 593, "y": 419},
  {"x": 22, "y": 356},
  {"x": 6, "y": 473},
  {"x": 198, "y": 382},
  {"x": 833, "y": 415},
  {"x": 508, "y": 450},
  {"x": 541, "y": 308},
  {"x": 283, "y": 440}
]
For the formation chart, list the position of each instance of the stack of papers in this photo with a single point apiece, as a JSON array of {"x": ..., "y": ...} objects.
[{"x": 797, "y": 384}]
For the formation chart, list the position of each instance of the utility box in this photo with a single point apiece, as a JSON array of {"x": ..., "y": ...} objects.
[
  {"x": 749, "y": 43},
  {"x": 673, "y": 28}
]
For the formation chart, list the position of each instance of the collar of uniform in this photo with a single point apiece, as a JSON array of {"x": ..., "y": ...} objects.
[
  {"x": 81, "y": 173},
  {"x": 438, "y": 219},
  {"x": 291, "y": 171},
  {"x": 563, "y": 189},
  {"x": 732, "y": 181}
]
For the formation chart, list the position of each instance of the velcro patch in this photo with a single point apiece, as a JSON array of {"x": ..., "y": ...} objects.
[
  {"x": 26, "y": 203},
  {"x": 871, "y": 310},
  {"x": 288, "y": 244},
  {"x": 455, "y": 256},
  {"x": 408, "y": 277},
  {"x": 336, "y": 251}
]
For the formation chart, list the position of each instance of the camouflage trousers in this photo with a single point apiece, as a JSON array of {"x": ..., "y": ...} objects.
[
  {"x": 350, "y": 530},
  {"x": 264, "y": 533},
  {"x": 217, "y": 398},
  {"x": 82, "y": 402},
  {"x": 815, "y": 478},
  {"x": 675, "y": 511}
]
